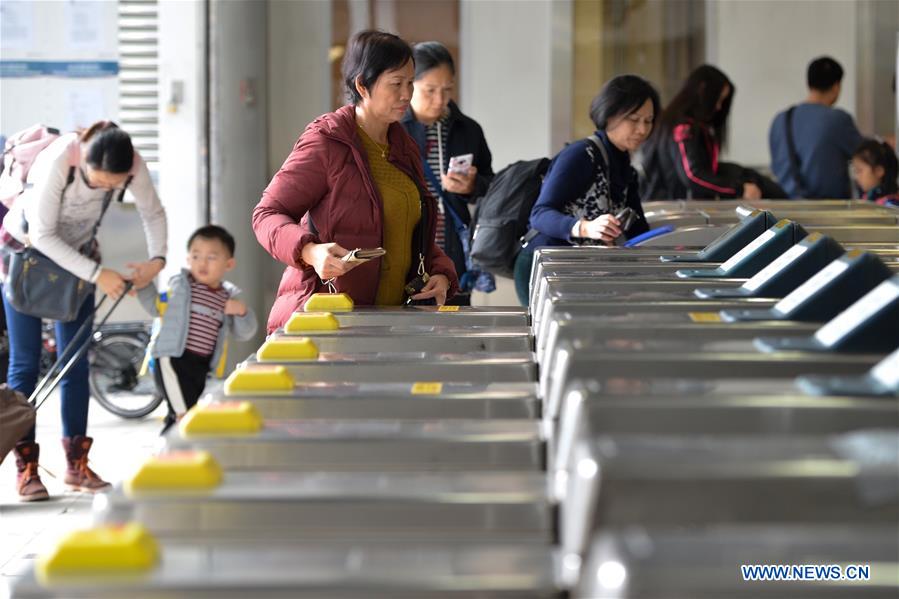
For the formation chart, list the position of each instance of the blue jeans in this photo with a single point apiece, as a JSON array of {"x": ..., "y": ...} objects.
[{"x": 25, "y": 358}]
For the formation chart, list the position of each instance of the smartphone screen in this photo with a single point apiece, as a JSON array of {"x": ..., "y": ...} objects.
[{"x": 460, "y": 164}]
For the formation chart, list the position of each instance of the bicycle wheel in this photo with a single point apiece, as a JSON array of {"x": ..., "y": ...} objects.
[{"x": 115, "y": 363}]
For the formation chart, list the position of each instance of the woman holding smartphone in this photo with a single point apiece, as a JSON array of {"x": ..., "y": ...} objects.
[
  {"x": 591, "y": 180},
  {"x": 354, "y": 180},
  {"x": 455, "y": 156}
]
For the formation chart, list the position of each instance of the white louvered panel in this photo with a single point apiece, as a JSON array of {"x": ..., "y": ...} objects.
[{"x": 138, "y": 76}]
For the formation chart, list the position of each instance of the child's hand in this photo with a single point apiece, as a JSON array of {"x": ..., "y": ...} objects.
[
  {"x": 143, "y": 273},
  {"x": 235, "y": 307}
]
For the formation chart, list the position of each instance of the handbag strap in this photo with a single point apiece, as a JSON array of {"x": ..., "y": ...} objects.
[
  {"x": 422, "y": 235},
  {"x": 458, "y": 224},
  {"x": 107, "y": 200}
]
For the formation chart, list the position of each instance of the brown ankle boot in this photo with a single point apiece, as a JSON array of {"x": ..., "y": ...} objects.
[
  {"x": 28, "y": 481},
  {"x": 79, "y": 476}
]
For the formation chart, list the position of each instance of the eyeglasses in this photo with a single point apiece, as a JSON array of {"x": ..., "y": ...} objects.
[{"x": 118, "y": 187}]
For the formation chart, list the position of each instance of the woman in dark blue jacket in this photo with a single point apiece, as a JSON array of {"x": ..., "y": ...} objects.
[
  {"x": 592, "y": 180},
  {"x": 443, "y": 132}
]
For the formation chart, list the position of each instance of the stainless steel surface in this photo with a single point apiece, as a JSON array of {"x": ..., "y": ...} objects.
[
  {"x": 861, "y": 233},
  {"x": 612, "y": 332},
  {"x": 413, "y": 366},
  {"x": 645, "y": 563},
  {"x": 379, "y": 445},
  {"x": 662, "y": 296},
  {"x": 674, "y": 205},
  {"x": 650, "y": 272},
  {"x": 596, "y": 261},
  {"x": 452, "y": 507},
  {"x": 396, "y": 400},
  {"x": 571, "y": 290},
  {"x": 431, "y": 316},
  {"x": 573, "y": 365},
  {"x": 674, "y": 389},
  {"x": 678, "y": 481},
  {"x": 588, "y": 415},
  {"x": 198, "y": 568},
  {"x": 614, "y": 264},
  {"x": 810, "y": 218},
  {"x": 424, "y": 338},
  {"x": 705, "y": 234}
]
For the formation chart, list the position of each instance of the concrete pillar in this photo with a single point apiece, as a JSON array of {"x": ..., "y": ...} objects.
[{"x": 238, "y": 140}]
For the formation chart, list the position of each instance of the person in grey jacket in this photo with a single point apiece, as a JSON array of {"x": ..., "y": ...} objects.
[{"x": 199, "y": 312}]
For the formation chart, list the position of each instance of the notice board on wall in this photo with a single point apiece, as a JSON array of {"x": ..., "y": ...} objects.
[{"x": 58, "y": 63}]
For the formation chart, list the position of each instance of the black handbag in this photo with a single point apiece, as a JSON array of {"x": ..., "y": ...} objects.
[{"x": 38, "y": 286}]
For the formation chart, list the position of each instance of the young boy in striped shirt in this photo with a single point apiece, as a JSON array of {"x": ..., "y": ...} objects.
[{"x": 200, "y": 310}]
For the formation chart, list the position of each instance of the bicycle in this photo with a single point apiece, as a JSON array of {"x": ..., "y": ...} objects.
[{"x": 116, "y": 355}]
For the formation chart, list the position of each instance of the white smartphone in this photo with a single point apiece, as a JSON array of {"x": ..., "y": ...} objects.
[{"x": 460, "y": 164}]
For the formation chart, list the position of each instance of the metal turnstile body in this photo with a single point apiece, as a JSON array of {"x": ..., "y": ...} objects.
[
  {"x": 707, "y": 563},
  {"x": 375, "y": 445},
  {"x": 202, "y": 569},
  {"x": 452, "y": 507},
  {"x": 391, "y": 367},
  {"x": 365, "y": 401}
]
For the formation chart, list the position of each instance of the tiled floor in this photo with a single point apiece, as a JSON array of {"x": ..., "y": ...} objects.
[{"x": 28, "y": 529}]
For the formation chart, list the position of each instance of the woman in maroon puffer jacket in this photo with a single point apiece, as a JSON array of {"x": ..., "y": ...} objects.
[{"x": 354, "y": 180}]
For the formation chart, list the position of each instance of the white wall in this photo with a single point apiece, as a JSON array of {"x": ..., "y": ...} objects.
[
  {"x": 182, "y": 133},
  {"x": 515, "y": 74},
  {"x": 765, "y": 47}
]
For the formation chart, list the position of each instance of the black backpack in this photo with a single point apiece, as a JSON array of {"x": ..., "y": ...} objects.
[{"x": 501, "y": 219}]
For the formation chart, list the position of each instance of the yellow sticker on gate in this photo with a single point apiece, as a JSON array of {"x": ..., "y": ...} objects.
[
  {"x": 705, "y": 317},
  {"x": 426, "y": 388},
  {"x": 448, "y": 309}
]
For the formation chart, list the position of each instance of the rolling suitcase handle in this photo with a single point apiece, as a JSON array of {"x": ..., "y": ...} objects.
[{"x": 49, "y": 385}]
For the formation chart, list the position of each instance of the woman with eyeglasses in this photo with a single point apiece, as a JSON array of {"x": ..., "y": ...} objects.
[{"x": 68, "y": 186}]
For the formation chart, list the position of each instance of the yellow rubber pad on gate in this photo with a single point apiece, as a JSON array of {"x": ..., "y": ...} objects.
[
  {"x": 705, "y": 317},
  {"x": 286, "y": 349},
  {"x": 108, "y": 550},
  {"x": 259, "y": 379},
  {"x": 329, "y": 302},
  {"x": 223, "y": 418},
  {"x": 303, "y": 322},
  {"x": 176, "y": 471}
]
